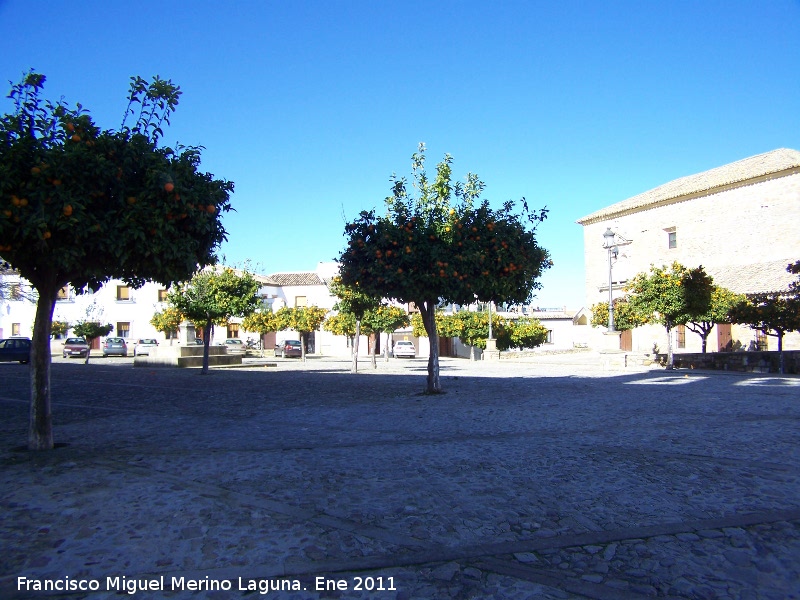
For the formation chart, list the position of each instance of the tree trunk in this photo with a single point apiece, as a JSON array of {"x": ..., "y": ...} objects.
[
  {"x": 428, "y": 311},
  {"x": 670, "y": 356},
  {"x": 780, "y": 351},
  {"x": 40, "y": 431},
  {"x": 354, "y": 366},
  {"x": 472, "y": 353},
  {"x": 386, "y": 348},
  {"x": 206, "y": 346},
  {"x": 90, "y": 342},
  {"x": 302, "y": 346},
  {"x": 372, "y": 342}
]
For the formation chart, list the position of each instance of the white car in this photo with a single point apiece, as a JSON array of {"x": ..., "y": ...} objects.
[
  {"x": 144, "y": 346},
  {"x": 404, "y": 348}
]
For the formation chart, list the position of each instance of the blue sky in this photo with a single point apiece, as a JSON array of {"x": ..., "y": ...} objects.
[{"x": 309, "y": 107}]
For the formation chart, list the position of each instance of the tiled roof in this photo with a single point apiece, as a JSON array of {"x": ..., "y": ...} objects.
[
  {"x": 756, "y": 278},
  {"x": 706, "y": 182},
  {"x": 307, "y": 278}
]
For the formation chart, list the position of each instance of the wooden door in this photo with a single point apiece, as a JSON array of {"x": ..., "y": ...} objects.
[
  {"x": 724, "y": 337},
  {"x": 626, "y": 340}
]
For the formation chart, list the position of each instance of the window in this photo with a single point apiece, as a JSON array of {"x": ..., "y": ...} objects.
[
  {"x": 680, "y": 336},
  {"x": 672, "y": 238},
  {"x": 123, "y": 330},
  {"x": 761, "y": 341},
  {"x": 63, "y": 293},
  {"x": 15, "y": 328},
  {"x": 15, "y": 292},
  {"x": 300, "y": 301},
  {"x": 162, "y": 295},
  {"x": 233, "y": 330},
  {"x": 123, "y": 292},
  {"x": 549, "y": 339}
]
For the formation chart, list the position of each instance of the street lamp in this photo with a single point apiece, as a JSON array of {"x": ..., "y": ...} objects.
[{"x": 610, "y": 245}]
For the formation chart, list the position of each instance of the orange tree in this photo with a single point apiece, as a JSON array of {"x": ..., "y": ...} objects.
[
  {"x": 90, "y": 331},
  {"x": 670, "y": 296},
  {"x": 167, "y": 321},
  {"x": 723, "y": 302},
  {"x": 80, "y": 205},
  {"x": 385, "y": 319},
  {"x": 624, "y": 316},
  {"x": 444, "y": 245},
  {"x": 212, "y": 297},
  {"x": 303, "y": 320},
  {"x": 525, "y": 332},
  {"x": 353, "y": 301}
]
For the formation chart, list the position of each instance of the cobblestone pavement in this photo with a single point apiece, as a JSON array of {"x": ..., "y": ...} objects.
[{"x": 540, "y": 479}]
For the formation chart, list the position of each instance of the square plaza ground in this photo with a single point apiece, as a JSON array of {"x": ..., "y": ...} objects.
[{"x": 528, "y": 480}]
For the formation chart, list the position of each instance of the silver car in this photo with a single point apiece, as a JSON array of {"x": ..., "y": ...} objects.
[
  {"x": 235, "y": 346},
  {"x": 115, "y": 345}
]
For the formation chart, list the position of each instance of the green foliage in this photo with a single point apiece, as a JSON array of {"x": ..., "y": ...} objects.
[
  {"x": 167, "y": 320},
  {"x": 341, "y": 323},
  {"x": 262, "y": 321},
  {"x": 445, "y": 245},
  {"x": 351, "y": 299},
  {"x": 624, "y": 316},
  {"x": 59, "y": 328},
  {"x": 524, "y": 333},
  {"x": 385, "y": 319},
  {"x": 723, "y": 302},
  {"x": 80, "y": 205},
  {"x": 214, "y": 297},
  {"x": 91, "y": 330},
  {"x": 670, "y": 296},
  {"x": 773, "y": 314},
  {"x": 303, "y": 320}
]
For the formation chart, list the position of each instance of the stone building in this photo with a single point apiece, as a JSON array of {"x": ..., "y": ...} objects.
[{"x": 741, "y": 222}]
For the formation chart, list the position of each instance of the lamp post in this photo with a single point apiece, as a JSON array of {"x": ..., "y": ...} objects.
[{"x": 610, "y": 245}]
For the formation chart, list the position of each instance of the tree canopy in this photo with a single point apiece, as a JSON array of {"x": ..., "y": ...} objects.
[
  {"x": 443, "y": 245},
  {"x": 670, "y": 295},
  {"x": 80, "y": 205},
  {"x": 303, "y": 320},
  {"x": 214, "y": 296}
]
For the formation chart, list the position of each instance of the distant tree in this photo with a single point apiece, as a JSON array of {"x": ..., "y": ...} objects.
[
  {"x": 261, "y": 322},
  {"x": 303, "y": 320},
  {"x": 670, "y": 296},
  {"x": 354, "y": 301},
  {"x": 624, "y": 316},
  {"x": 723, "y": 301},
  {"x": 382, "y": 319},
  {"x": 443, "y": 246},
  {"x": 341, "y": 323},
  {"x": 213, "y": 296},
  {"x": 525, "y": 332},
  {"x": 59, "y": 328},
  {"x": 79, "y": 205},
  {"x": 167, "y": 321},
  {"x": 773, "y": 314},
  {"x": 91, "y": 330}
]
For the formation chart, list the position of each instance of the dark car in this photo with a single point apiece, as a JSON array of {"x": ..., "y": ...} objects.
[
  {"x": 76, "y": 346},
  {"x": 115, "y": 345},
  {"x": 15, "y": 349},
  {"x": 289, "y": 348}
]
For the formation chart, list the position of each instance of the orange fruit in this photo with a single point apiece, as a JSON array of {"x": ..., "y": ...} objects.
[
  {"x": 211, "y": 209},
  {"x": 70, "y": 127},
  {"x": 35, "y": 171},
  {"x": 56, "y": 182},
  {"x": 46, "y": 235},
  {"x": 131, "y": 200},
  {"x": 76, "y": 138},
  {"x": 68, "y": 210},
  {"x": 169, "y": 186}
]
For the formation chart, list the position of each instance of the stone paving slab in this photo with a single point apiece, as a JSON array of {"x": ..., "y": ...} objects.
[{"x": 541, "y": 478}]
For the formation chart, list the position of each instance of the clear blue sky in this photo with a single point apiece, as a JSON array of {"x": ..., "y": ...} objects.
[{"x": 309, "y": 107}]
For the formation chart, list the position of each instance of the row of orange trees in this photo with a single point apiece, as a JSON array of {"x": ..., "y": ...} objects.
[{"x": 676, "y": 295}]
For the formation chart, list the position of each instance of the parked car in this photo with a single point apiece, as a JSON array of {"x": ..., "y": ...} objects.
[
  {"x": 115, "y": 345},
  {"x": 76, "y": 346},
  {"x": 235, "y": 346},
  {"x": 15, "y": 349},
  {"x": 144, "y": 346},
  {"x": 289, "y": 348},
  {"x": 404, "y": 348},
  {"x": 198, "y": 341}
]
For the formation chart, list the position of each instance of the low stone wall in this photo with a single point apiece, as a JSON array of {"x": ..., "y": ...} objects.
[
  {"x": 757, "y": 362},
  {"x": 187, "y": 356}
]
